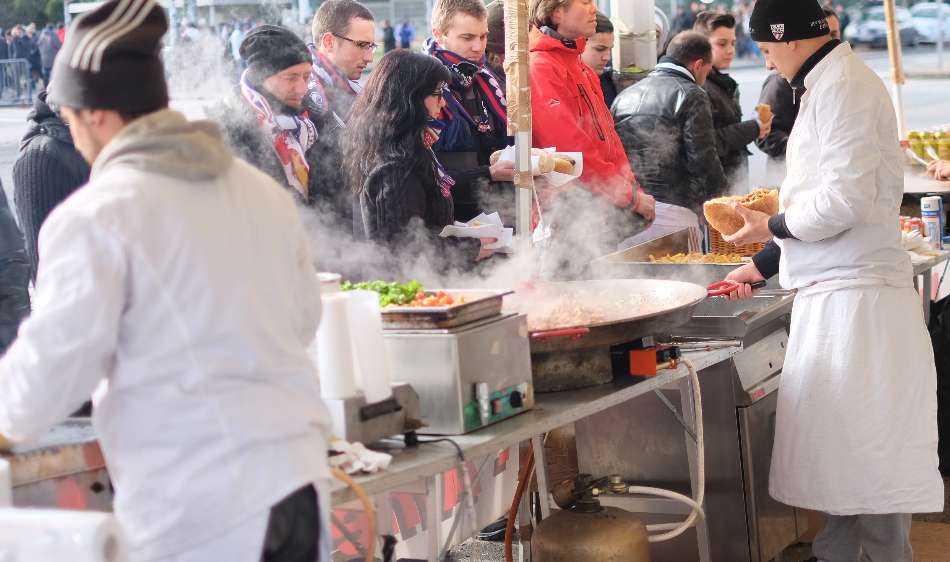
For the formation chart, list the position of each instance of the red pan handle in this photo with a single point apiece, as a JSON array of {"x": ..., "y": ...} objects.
[
  {"x": 724, "y": 288},
  {"x": 573, "y": 333}
]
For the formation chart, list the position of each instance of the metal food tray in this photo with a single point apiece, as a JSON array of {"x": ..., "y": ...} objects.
[
  {"x": 480, "y": 303},
  {"x": 634, "y": 263}
]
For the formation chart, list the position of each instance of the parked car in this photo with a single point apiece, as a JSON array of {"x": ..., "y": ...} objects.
[
  {"x": 928, "y": 24},
  {"x": 872, "y": 29}
]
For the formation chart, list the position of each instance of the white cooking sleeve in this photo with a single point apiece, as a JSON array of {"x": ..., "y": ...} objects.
[
  {"x": 849, "y": 157},
  {"x": 67, "y": 345}
]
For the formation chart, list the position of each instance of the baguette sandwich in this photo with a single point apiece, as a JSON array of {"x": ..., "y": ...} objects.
[{"x": 722, "y": 217}]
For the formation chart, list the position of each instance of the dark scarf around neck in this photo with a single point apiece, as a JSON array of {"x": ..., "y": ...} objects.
[
  {"x": 569, "y": 43},
  {"x": 467, "y": 74}
]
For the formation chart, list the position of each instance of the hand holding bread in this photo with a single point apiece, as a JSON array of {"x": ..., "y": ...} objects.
[
  {"x": 743, "y": 219},
  {"x": 547, "y": 161},
  {"x": 764, "y": 112},
  {"x": 722, "y": 216}
]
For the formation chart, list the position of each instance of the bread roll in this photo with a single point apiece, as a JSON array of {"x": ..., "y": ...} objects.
[
  {"x": 545, "y": 160},
  {"x": 765, "y": 112},
  {"x": 722, "y": 217},
  {"x": 564, "y": 164}
]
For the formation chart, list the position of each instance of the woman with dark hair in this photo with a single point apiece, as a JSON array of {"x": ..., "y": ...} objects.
[
  {"x": 403, "y": 192},
  {"x": 733, "y": 135}
]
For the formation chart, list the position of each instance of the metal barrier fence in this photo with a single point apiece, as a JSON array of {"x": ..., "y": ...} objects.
[{"x": 17, "y": 84}]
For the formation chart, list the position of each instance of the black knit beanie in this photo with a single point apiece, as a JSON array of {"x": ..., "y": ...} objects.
[
  {"x": 775, "y": 21},
  {"x": 112, "y": 59},
  {"x": 269, "y": 49}
]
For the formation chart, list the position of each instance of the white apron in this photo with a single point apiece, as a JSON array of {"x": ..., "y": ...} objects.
[{"x": 856, "y": 428}]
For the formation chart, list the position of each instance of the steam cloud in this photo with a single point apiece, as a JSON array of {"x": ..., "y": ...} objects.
[{"x": 202, "y": 73}]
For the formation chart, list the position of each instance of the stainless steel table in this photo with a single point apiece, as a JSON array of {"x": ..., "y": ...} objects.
[
  {"x": 418, "y": 467},
  {"x": 923, "y": 279}
]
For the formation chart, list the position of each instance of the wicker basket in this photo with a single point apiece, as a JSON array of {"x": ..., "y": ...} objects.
[{"x": 719, "y": 246}]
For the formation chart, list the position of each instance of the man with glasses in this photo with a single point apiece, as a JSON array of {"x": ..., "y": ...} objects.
[
  {"x": 344, "y": 35},
  {"x": 474, "y": 121}
]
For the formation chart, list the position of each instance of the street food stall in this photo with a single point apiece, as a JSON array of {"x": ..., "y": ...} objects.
[
  {"x": 653, "y": 385},
  {"x": 481, "y": 376}
]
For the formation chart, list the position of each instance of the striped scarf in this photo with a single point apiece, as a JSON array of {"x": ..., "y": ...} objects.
[
  {"x": 429, "y": 137},
  {"x": 292, "y": 136},
  {"x": 484, "y": 79},
  {"x": 325, "y": 82}
]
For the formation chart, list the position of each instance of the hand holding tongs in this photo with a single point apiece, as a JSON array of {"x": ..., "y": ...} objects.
[{"x": 727, "y": 287}]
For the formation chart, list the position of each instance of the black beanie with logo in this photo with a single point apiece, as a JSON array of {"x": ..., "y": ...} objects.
[{"x": 775, "y": 21}]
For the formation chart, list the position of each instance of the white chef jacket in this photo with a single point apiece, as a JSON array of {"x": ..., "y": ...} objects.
[
  {"x": 843, "y": 188},
  {"x": 856, "y": 429},
  {"x": 178, "y": 285}
]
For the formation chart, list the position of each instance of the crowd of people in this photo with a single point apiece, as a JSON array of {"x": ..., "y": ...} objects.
[
  {"x": 173, "y": 272},
  {"x": 407, "y": 162},
  {"x": 38, "y": 47}
]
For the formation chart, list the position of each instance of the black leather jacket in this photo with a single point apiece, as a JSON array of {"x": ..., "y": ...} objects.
[
  {"x": 666, "y": 127},
  {"x": 733, "y": 135}
]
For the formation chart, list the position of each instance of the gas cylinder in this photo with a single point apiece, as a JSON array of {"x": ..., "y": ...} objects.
[{"x": 588, "y": 531}]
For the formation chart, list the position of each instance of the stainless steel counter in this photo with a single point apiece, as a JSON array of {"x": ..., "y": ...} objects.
[
  {"x": 551, "y": 411},
  {"x": 923, "y": 277}
]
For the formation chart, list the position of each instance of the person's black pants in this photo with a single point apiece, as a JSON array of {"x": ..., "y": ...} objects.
[{"x": 293, "y": 529}]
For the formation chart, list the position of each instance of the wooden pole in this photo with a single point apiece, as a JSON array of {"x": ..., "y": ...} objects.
[
  {"x": 897, "y": 69},
  {"x": 519, "y": 108}
]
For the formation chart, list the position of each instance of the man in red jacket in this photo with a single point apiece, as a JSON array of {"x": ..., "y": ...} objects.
[{"x": 568, "y": 112}]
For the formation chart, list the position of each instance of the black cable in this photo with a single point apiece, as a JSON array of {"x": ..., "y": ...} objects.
[{"x": 458, "y": 447}]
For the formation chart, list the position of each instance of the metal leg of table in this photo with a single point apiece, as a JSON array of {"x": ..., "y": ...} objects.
[
  {"x": 686, "y": 401},
  {"x": 434, "y": 517},
  {"x": 384, "y": 514},
  {"x": 537, "y": 443}
]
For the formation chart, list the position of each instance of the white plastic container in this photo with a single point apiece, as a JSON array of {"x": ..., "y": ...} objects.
[
  {"x": 334, "y": 349},
  {"x": 369, "y": 350}
]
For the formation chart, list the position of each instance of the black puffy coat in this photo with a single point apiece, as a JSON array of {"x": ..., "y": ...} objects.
[
  {"x": 14, "y": 276},
  {"x": 47, "y": 170},
  {"x": 666, "y": 127},
  {"x": 733, "y": 135}
]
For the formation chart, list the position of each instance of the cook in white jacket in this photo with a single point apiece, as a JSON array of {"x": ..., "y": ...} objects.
[
  {"x": 856, "y": 429},
  {"x": 176, "y": 286}
]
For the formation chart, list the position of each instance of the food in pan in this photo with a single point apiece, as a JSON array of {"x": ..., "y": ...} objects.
[
  {"x": 409, "y": 294},
  {"x": 547, "y": 161},
  {"x": 440, "y": 298},
  {"x": 765, "y": 112},
  {"x": 696, "y": 257},
  {"x": 726, "y": 220},
  {"x": 390, "y": 293},
  {"x": 566, "y": 313}
]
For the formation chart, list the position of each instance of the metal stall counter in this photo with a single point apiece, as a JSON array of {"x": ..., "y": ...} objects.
[{"x": 419, "y": 470}]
